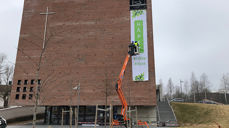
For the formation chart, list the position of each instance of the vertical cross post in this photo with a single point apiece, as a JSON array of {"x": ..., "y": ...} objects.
[
  {"x": 47, "y": 13},
  {"x": 38, "y": 69}
]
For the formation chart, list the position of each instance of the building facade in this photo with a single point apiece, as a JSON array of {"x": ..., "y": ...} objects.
[{"x": 86, "y": 43}]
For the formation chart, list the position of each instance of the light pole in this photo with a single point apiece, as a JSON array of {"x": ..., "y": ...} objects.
[
  {"x": 181, "y": 87},
  {"x": 77, "y": 88}
]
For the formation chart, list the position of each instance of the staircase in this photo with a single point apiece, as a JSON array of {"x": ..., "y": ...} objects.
[{"x": 166, "y": 116}]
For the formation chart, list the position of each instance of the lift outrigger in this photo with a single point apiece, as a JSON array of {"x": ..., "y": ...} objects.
[{"x": 133, "y": 51}]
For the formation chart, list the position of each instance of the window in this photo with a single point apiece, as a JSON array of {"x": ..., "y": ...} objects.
[
  {"x": 39, "y": 81},
  {"x": 30, "y": 96},
  {"x": 19, "y": 82},
  {"x": 18, "y": 89},
  {"x": 32, "y": 82},
  {"x": 25, "y": 82},
  {"x": 138, "y": 4},
  {"x": 23, "y": 96},
  {"x": 31, "y": 89},
  {"x": 17, "y": 96},
  {"x": 24, "y": 89},
  {"x": 10, "y": 82}
]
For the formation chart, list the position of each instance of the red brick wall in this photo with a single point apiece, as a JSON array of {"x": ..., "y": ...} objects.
[{"x": 87, "y": 43}]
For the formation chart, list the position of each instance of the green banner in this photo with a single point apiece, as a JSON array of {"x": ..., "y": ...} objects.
[
  {"x": 140, "y": 71},
  {"x": 138, "y": 26}
]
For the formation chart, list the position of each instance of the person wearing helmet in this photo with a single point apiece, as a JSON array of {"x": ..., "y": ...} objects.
[
  {"x": 136, "y": 44},
  {"x": 136, "y": 47}
]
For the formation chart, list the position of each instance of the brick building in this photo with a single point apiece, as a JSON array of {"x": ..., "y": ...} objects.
[{"x": 86, "y": 43}]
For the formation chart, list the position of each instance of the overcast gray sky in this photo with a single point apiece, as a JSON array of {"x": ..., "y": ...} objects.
[
  {"x": 10, "y": 22},
  {"x": 190, "y": 36}
]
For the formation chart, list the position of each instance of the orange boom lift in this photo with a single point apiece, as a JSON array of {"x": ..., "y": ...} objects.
[{"x": 133, "y": 51}]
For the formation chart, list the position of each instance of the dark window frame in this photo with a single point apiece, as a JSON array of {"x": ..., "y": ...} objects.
[
  {"x": 23, "y": 96},
  {"x": 26, "y": 82},
  {"x": 32, "y": 82},
  {"x": 30, "y": 96},
  {"x": 18, "y": 89},
  {"x": 19, "y": 82},
  {"x": 31, "y": 89},
  {"x": 24, "y": 89},
  {"x": 17, "y": 96},
  {"x": 39, "y": 81},
  {"x": 138, "y": 4}
]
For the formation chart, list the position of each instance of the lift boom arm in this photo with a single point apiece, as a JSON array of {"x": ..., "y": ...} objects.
[
  {"x": 133, "y": 50},
  {"x": 119, "y": 88}
]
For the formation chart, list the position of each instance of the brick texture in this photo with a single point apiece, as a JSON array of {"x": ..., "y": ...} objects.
[{"x": 87, "y": 41}]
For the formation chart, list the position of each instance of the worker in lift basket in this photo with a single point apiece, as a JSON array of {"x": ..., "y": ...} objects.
[
  {"x": 136, "y": 43},
  {"x": 136, "y": 46}
]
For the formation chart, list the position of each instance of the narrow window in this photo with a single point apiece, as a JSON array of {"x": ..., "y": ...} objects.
[
  {"x": 18, "y": 89},
  {"x": 17, "y": 96},
  {"x": 30, "y": 96},
  {"x": 19, "y": 82},
  {"x": 32, "y": 82},
  {"x": 25, "y": 82},
  {"x": 10, "y": 82},
  {"x": 23, "y": 96},
  {"x": 39, "y": 81},
  {"x": 31, "y": 89},
  {"x": 24, "y": 89}
]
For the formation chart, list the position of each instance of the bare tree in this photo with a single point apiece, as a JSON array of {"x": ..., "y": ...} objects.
[
  {"x": 162, "y": 87},
  {"x": 162, "y": 92},
  {"x": 204, "y": 84},
  {"x": 194, "y": 86},
  {"x": 2, "y": 60},
  {"x": 37, "y": 66},
  {"x": 225, "y": 84},
  {"x": 177, "y": 92},
  {"x": 4, "y": 94},
  {"x": 186, "y": 89},
  {"x": 8, "y": 74},
  {"x": 170, "y": 87}
]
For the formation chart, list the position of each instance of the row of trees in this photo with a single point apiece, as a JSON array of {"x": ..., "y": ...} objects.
[
  {"x": 6, "y": 70},
  {"x": 194, "y": 87},
  {"x": 6, "y": 74}
]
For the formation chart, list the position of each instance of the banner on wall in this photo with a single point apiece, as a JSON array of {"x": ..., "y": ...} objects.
[{"x": 140, "y": 70}]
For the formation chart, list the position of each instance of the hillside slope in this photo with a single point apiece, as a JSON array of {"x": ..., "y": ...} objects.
[{"x": 201, "y": 115}]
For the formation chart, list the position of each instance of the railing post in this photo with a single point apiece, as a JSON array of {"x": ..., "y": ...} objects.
[
  {"x": 62, "y": 118},
  {"x": 96, "y": 113}
]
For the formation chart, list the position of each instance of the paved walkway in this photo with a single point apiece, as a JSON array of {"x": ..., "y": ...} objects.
[
  {"x": 17, "y": 112},
  {"x": 66, "y": 126}
]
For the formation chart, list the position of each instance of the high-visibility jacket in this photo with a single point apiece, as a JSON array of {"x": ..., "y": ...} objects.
[{"x": 136, "y": 44}]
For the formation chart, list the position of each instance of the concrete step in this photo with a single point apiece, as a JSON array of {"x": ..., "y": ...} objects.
[{"x": 165, "y": 112}]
